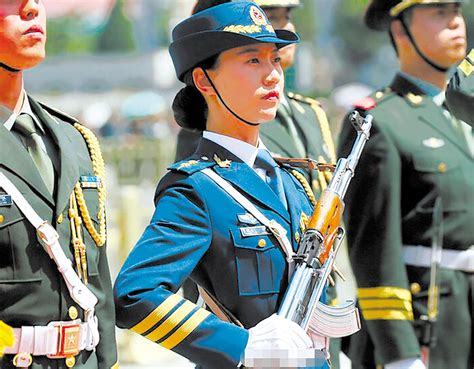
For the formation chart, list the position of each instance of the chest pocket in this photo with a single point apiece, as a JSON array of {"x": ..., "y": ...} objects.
[
  {"x": 260, "y": 264},
  {"x": 444, "y": 175},
  {"x": 19, "y": 260}
]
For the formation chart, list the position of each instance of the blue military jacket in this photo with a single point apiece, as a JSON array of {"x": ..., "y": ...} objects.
[{"x": 199, "y": 231}]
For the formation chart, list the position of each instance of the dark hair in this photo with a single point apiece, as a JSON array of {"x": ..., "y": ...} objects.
[
  {"x": 189, "y": 106},
  {"x": 206, "y": 4}
]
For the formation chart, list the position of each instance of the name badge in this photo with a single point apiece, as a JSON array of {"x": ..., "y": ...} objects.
[
  {"x": 90, "y": 182},
  {"x": 247, "y": 219},
  {"x": 254, "y": 231},
  {"x": 6, "y": 200}
]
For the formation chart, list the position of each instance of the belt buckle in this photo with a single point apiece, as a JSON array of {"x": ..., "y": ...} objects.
[{"x": 69, "y": 339}]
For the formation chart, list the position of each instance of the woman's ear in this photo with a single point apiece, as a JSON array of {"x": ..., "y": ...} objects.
[{"x": 202, "y": 82}]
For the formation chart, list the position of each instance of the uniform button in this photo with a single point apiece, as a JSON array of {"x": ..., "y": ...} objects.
[
  {"x": 60, "y": 218},
  {"x": 73, "y": 313},
  {"x": 442, "y": 167},
  {"x": 415, "y": 288},
  {"x": 262, "y": 243},
  {"x": 297, "y": 237},
  {"x": 379, "y": 94},
  {"x": 205, "y": 158},
  {"x": 70, "y": 361},
  {"x": 2, "y": 218}
]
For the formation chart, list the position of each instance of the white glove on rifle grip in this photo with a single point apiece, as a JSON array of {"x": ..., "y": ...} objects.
[{"x": 279, "y": 333}]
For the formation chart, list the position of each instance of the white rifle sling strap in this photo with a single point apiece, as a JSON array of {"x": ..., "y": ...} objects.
[
  {"x": 275, "y": 228},
  {"x": 50, "y": 238}
]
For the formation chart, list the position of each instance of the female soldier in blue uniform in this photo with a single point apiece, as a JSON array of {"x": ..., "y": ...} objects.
[{"x": 228, "y": 58}]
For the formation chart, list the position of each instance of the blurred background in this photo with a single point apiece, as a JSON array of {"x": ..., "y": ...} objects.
[{"x": 108, "y": 65}]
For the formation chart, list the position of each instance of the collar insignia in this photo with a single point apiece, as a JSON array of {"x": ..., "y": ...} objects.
[{"x": 222, "y": 163}]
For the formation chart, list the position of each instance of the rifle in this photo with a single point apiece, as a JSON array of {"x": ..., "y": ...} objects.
[
  {"x": 317, "y": 250},
  {"x": 428, "y": 337}
]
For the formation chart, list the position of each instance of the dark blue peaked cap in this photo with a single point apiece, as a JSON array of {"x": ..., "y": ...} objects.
[{"x": 221, "y": 28}]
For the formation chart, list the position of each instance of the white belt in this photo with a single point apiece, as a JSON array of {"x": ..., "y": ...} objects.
[
  {"x": 450, "y": 259},
  {"x": 57, "y": 340}
]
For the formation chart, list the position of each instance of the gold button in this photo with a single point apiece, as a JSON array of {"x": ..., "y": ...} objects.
[
  {"x": 2, "y": 218},
  {"x": 415, "y": 288},
  {"x": 379, "y": 94},
  {"x": 73, "y": 313},
  {"x": 262, "y": 243},
  {"x": 297, "y": 237},
  {"x": 442, "y": 167},
  {"x": 60, "y": 218},
  {"x": 70, "y": 361}
]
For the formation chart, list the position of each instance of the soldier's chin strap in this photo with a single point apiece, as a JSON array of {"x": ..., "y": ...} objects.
[
  {"x": 439, "y": 68},
  {"x": 223, "y": 102},
  {"x": 8, "y": 68}
]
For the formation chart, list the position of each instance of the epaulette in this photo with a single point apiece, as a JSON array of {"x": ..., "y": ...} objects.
[
  {"x": 371, "y": 102},
  {"x": 190, "y": 166},
  {"x": 58, "y": 114},
  {"x": 301, "y": 98}
]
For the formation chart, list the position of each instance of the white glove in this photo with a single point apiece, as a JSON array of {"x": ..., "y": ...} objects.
[
  {"x": 413, "y": 363},
  {"x": 276, "y": 332}
]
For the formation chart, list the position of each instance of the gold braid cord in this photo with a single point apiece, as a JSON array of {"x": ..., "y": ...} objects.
[
  {"x": 307, "y": 188},
  {"x": 325, "y": 130},
  {"x": 98, "y": 166}
]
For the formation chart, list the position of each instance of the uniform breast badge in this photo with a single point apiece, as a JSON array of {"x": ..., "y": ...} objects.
[{"x": 5, "y": 200}]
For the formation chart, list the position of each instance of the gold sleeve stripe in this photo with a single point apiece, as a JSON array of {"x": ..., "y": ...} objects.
[
  {"x": 386, "y": 304},
  {"x": 171, "y": 322},
  {"x": 115, "y": 366},
  {"x": 384, "y": 293},
  {"x": 185, "y": 330},
  {"x": 156, "y": 315},
  {"x": 387, "y": 315}
]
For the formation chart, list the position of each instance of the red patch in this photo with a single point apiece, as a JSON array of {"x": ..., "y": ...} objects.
[{"x": 367, "y": 103}]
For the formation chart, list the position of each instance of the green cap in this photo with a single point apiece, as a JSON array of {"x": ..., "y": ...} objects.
[{"x": 380, "y": 13}]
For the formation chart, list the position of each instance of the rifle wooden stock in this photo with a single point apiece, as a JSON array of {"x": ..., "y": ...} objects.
[{"x": 326, "y": 219}]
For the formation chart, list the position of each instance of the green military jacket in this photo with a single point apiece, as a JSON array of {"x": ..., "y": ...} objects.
[
  {"x": 312, "y": 128},
  {"x": 460, "y": 92},
  {"x": 413, "y": 156},
  {"x": 32, "y": 291}
]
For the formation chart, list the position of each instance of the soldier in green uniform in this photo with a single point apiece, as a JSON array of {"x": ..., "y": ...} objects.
[
  {"x": 55, "y": 288},
  {"x": 418, "y": 152},
  {"x": 301, "y": 128},
  {"x": 460, "y": 93}
]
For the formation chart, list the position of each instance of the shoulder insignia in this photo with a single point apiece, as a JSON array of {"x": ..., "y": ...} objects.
[
  {"x": 301, "y": 98},
  {"x": 58, "y": 114},
  {"x": 190, "y": 166},
  {"x": 414, "y": 99},
  {"x": 366, "y": 103},
  {"x": 222, "y": 163}
]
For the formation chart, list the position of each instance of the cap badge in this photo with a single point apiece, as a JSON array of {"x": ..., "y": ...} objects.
[{"x": 257, "y": 16}]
